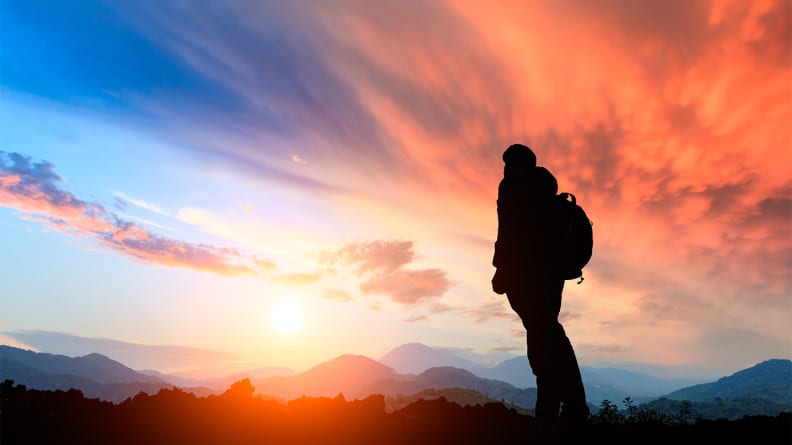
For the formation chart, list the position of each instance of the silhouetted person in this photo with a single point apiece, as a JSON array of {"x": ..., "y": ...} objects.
[{"x": 526, "y": 261}]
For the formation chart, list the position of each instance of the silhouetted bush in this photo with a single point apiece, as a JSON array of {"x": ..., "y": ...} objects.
[{"x": 173, "y": 416}]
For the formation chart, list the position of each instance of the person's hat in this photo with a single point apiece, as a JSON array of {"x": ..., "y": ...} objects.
[{"x": 519, "y": 154}]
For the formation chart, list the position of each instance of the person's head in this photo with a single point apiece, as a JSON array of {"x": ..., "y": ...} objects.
[
  {"x": 519, "y": 155},
  {"x": 518, "y": 159}
]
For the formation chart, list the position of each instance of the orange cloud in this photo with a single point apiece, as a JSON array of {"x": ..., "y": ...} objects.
[{"x": 668, "y": 120}]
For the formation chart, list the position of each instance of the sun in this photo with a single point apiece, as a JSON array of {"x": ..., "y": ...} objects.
[{"x": 287, "y": 316}]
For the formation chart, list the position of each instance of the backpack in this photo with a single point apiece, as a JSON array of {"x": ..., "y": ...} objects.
[{"x": 576, "y": 237}]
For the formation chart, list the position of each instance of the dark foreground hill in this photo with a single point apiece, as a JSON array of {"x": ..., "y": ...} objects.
[{"x": 238, "y": 417}]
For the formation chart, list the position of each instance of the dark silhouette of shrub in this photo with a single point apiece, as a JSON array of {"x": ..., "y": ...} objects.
[{"x": 173, "y": 416}]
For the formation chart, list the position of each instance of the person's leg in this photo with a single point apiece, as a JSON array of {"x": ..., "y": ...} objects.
[
  {"x": 573, "y": 393},
  {"x": 564, "y": 362},
  {"x": 548, "y": 400},
  {"x": 542, "y": 361}
]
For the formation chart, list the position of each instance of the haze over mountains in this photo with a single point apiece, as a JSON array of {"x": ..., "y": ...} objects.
[
  {"x": 198, "y": 364},
  {"x": 356, "y": 376},
  {"x": 601, "y": 383},
  {"x": 414, "y": 358},
  {"x": 95, "y": 375},
  {"x": 187, "y": 362}
]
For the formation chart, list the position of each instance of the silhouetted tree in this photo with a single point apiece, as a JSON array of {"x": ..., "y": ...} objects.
[{"x": 241, "y": 389}]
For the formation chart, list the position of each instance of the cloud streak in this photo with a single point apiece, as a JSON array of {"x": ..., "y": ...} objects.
[
  {"x": 124, "y": 199},
  {"x": 33, "y": 188}
]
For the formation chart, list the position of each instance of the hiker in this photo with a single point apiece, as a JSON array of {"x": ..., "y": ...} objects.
[{"x": 527, "y": 270}]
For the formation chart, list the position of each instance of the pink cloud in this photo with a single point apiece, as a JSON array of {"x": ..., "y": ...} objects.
[
  {"x": 407, "y": 286},
  {"x": 380, "y": 267},
  {"x": 374, "y": 255},
  {"x": 33, "y": 188}
]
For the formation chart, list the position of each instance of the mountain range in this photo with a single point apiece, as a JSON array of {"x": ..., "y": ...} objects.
[
  {"x": 193, "y": 363},
  {"x": 94, "y": 374},
  {"x": 356, "y": 376},
  {"x": 415, "y": 358},
  {"x": 601, "y": 383},
  {"x": 345, "y": 374},
  {"x": 770, "y": 380}
]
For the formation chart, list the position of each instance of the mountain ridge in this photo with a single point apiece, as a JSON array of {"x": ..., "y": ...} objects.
[
  {"x": 94, "y": 374},
  {"x": 357, "y": 376},
  {"x": 600, "y": 383},
  {"x": 447, "y": 377},
  {"x": 188, "y": 362},
  {"x": 92, "y": 366},
  {"x": 342, "y": 374},
  {"x": 415, "y": 358},
  {"x": 770, "y": 379}
]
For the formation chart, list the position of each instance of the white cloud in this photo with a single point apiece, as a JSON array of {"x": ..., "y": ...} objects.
[{"x": 140, "y": 203}]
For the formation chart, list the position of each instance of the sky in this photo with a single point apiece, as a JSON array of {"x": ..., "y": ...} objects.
[{"x": 171, "y": 170}]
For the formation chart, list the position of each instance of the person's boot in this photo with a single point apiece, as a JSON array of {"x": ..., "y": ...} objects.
[
  {"x": 575, "y": 426},
  {"x": 545, "y": 431}
]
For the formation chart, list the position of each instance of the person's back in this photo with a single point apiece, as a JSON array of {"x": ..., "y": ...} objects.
[
  {"x": 525, "y": 226},
  {"x": 544, "y": 228},
  {"x": 513, "y": 210}
]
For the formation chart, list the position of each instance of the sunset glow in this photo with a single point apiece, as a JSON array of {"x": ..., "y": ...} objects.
[{"x": 169, "y": 170}]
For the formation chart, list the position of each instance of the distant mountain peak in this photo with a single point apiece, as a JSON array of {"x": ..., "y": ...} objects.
[
  {"x": 762, "y": 369},
  {"x": 414, "y": 358},
  {"x": 348, "y": 368},
  {"x": 413, "y": 344},
  {"x": 94, "y": 374},
  {"x": 770, "y": 379},
  {"x": 346, "y": 360},
  {"x": 95, "y": 356},
  {"x": 343, "y": 374},
  {"x": 93, "y": 366},
  {"x": 409, "y": 348},
  {"x": 350, "y": 357},
  {"x": 447, "y": 370}
]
